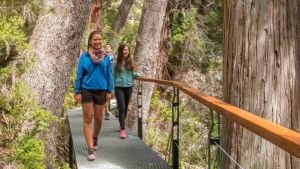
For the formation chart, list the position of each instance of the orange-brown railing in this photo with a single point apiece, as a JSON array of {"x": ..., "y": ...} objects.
[{"x": 284, "y": 138}]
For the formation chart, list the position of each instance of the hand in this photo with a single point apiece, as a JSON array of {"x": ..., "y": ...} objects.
[
  {"x": 101, "y": 57},
  {"x": 142, "y": 75},
  {"x": 78, "y": 98},
  {"x": 108, "y": 96},
  {"x": 103, "y": 54}
]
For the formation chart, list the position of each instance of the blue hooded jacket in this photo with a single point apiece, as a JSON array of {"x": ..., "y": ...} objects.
[{"x": 93, "y": 76}]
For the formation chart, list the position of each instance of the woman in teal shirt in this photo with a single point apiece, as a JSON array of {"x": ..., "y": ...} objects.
[{"x": 124, "y": 73}]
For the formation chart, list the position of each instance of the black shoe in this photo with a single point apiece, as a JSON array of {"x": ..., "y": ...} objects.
[{"x": 106, "y": 116}]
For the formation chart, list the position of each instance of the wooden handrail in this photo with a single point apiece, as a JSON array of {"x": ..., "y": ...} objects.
[{"x": 284, "y": 138}]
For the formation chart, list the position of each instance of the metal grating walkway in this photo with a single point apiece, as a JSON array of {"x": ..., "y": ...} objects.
[{"x": 113, "y": 153}]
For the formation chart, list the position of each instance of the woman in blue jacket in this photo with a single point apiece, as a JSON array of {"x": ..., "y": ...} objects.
[
  {"x": 93, "y": 86},
  {"x": 124, "y": 73}
]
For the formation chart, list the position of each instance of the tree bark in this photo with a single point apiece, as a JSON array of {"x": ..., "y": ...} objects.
[
  {"x": 95, "y": 18},
  {"x": 165, "y": 44},
  {"x": 120, "y": 21},
  {"x": 55, "y": 45},
  {"x": 261, "y": 75},
  {"x": 148, "y": 50}
]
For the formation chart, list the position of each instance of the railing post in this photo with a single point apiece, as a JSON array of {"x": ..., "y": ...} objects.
[
  {"x": 211, "y": 127},
  {"x": 140, "y": 109},
  {"x": 213, "y": 140},
  {"x": 71, "y": 152},
  {"x": 175, "y": 129},
  {"x": 219, "y": 137}
]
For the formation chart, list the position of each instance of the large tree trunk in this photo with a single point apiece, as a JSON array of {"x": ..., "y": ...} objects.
[
  {"x": 163, "y": 58},
  {"x": 55, "y": 43},
  {"x": 95, "y": 17},
  {"x": 261, "y": 75},
  {"x": 120, "y": 21},
  {"x": 148, "y": 49}
]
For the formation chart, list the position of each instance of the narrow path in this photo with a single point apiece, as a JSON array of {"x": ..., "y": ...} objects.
[{"x": 113, "y": 153}]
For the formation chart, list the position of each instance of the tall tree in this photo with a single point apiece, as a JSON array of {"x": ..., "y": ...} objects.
[
  {"x": 261, "y": 75},
  {"x": 95, "y": 17},
  {"x": 148, "y": 49},
  {"x": 120, "y": 21},
  {"x": 55, "y": 45}
]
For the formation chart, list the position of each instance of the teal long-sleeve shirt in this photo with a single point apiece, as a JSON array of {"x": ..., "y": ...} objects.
[{"x": 124, "y": 78}]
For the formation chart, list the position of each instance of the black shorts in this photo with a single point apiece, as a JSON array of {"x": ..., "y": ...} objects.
[{"x": 96, "y": 96}]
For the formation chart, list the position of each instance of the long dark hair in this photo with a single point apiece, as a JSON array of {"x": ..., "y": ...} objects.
[
  {"x": 91, "y": 37},
  {"x": 129, "y": 64}
]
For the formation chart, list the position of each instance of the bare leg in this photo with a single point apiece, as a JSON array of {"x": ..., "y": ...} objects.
[
  {"x": 107, "y": 110},
  {"x": 98, "y": 109},
  {"x": 107, "y": 106},
  {"x": 87, "y": 123}
]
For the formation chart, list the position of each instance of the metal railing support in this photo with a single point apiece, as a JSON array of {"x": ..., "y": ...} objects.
[
  {"x": 71, "y": 151},
  {"x": 213, "y": 140},
  {"x": 219, "y": 141},
  {"x": 140, "y": 109},
  {"x": 175, "y": 129}
]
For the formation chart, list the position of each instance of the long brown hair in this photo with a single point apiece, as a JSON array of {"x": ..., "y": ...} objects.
[
  {"x": 91, "y": 37},
  {"x": 129, "y": 64}
]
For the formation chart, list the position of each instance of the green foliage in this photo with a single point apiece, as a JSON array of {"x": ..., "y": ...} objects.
[
  {"x": 187, "y": 46},
  {"x": 17, "y": 105},
  {"x": 192, "y": 149},
  {"x": 213, "y": 23},
  {"x": 164, "y": 112},
  {"x": 30, "y": 153},
  {"x": 5, "y": 74},
  {"x": 192, "y": 132},
  {"x": 181, "y": 24},
  {"x": 35, "y": 6},
  {"x": 213, "y": 32},
  {"x": 42, "y": 119},
  {"x": 194, "y": 44},
  {"x": 16, "y": 7},
  {"x": 14, "y": 109},
  {"x": 28, "y": 10},
  {"x": 55, "y": 163},
  {"x": 157, "y": 131},
  {"x": 109, "y": 15},
  {"x": 69, "y": 101},
  {"x": 11, "y": 33},
  {"x": 18, "y": 108},
  {"x": 129, "y": 33},
  {"x": 23, "y": 65}
]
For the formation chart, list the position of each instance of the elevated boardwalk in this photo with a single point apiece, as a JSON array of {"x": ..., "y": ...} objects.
[{"x": 113, "y": 153}]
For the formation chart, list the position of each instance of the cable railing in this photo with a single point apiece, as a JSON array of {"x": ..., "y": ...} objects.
[{"x": 282, "y": 137}]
